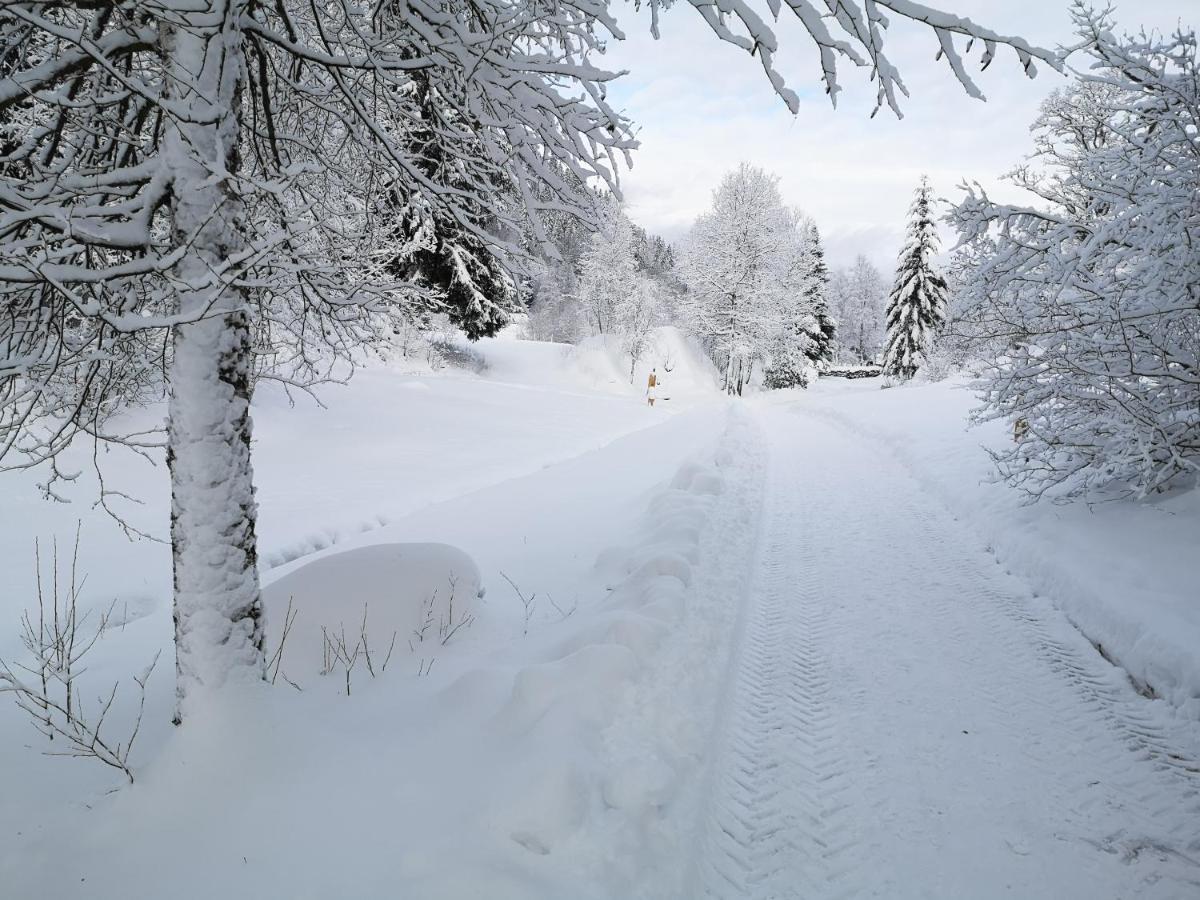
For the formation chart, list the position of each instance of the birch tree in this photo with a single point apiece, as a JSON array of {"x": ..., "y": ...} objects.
[{"x": 179, "y": 175}]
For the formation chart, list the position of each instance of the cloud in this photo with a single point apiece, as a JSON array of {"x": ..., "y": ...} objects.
[{"x": 703, "y": 106}]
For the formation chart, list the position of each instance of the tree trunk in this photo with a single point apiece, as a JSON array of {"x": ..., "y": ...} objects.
[{"x": 218, "y": 612}]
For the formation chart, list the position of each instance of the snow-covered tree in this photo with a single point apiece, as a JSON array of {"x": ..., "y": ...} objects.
[
  {"x": 635, "y": 318},
  {"x": 917, "y": 304},
  {"x": 733, "y": 264},
  {"x": 608, "y": 269},
  {"x": 181, "y": 175},
  {"x": 1088, "y": 303},
  {"x": 462, "y": 274},
  {"x": 551, "y": 288},
  {"x": 858, "y": 299},
  {"x": 794, "y": 338},
  {"x": 821, "y": 329},
  {"x": 555, "y": 313},
  {"x": 177, "y": 175}
]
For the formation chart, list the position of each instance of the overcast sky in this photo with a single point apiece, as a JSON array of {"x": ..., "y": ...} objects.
[{"x": 703, "y": 106}]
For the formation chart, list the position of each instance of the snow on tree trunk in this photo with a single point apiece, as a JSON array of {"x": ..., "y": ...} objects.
[
  {"x": 218, "y": 615},
  {"x": 917, "y": 306}
]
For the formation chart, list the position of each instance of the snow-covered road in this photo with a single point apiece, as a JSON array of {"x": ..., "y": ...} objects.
[{"x": 906, "y": 719}]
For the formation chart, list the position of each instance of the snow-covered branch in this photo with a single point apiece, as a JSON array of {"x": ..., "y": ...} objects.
[{"x": 1092, "y": 302}]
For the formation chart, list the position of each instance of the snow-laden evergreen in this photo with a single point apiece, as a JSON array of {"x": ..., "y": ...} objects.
[
  {"x": 917, "y": 304},
  {"x": 819, "y": 325},
  {"x": 1086, "y": 307}
]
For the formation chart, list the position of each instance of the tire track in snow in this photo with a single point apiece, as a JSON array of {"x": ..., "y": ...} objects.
[
  {"x": 905, "y": 722},
  {"x": 776, "y": 825},
  {"x": 1106, "y": 686}
]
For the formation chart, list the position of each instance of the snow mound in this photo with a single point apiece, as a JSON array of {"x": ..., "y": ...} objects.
[
  {"x": 418, "y": 593},
  {"x": 568, "y": 699}
]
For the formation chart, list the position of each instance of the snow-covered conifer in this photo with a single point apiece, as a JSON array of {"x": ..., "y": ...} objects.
[
  {"x": 822, "y": 329},
  {"x": 917, "y": 304}
]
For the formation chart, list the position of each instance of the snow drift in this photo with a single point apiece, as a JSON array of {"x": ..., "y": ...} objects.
[{"x": 374, "y": 598}]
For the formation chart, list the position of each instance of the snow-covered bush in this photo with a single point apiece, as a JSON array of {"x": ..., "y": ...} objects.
[
  {"x": 49, "y": 685},
  {"x": 940, "y": 363},
  {"x": 786, "y": 371},
  {"x": 1089, "y": 303}
]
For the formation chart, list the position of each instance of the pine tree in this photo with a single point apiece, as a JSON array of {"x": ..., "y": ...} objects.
[
  {"x": 917, "y": 304},
  {"x": 821, "y": 328}
]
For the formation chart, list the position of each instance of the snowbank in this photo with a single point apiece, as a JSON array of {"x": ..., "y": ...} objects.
[
  {"x": 1125, "y": 573},
  {"x": 467, "y": 770},
  {"x": 368, "y": 599}
]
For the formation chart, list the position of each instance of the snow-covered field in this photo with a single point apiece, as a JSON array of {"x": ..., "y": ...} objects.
[{"x": 714, "y": 648}]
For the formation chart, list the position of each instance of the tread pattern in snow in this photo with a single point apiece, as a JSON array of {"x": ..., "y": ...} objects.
[
  {"x": 905, "y": 719},
  {"x": 777, "y": 824}
]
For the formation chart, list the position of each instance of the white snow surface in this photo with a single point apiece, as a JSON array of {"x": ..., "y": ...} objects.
[
  {"x": 767, "y": 649},
  {"x": 1126, "y": 574},
  {"x": 371, "y": 598}
]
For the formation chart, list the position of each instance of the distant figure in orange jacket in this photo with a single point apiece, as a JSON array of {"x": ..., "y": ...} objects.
[{"x": 651, "y": 387}]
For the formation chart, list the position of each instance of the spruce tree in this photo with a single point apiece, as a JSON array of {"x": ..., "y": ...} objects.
[
  {"x": 463, "y": 275},
  {"x": 917, "y": 304},
  {"x": 821, "y": 329}
]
